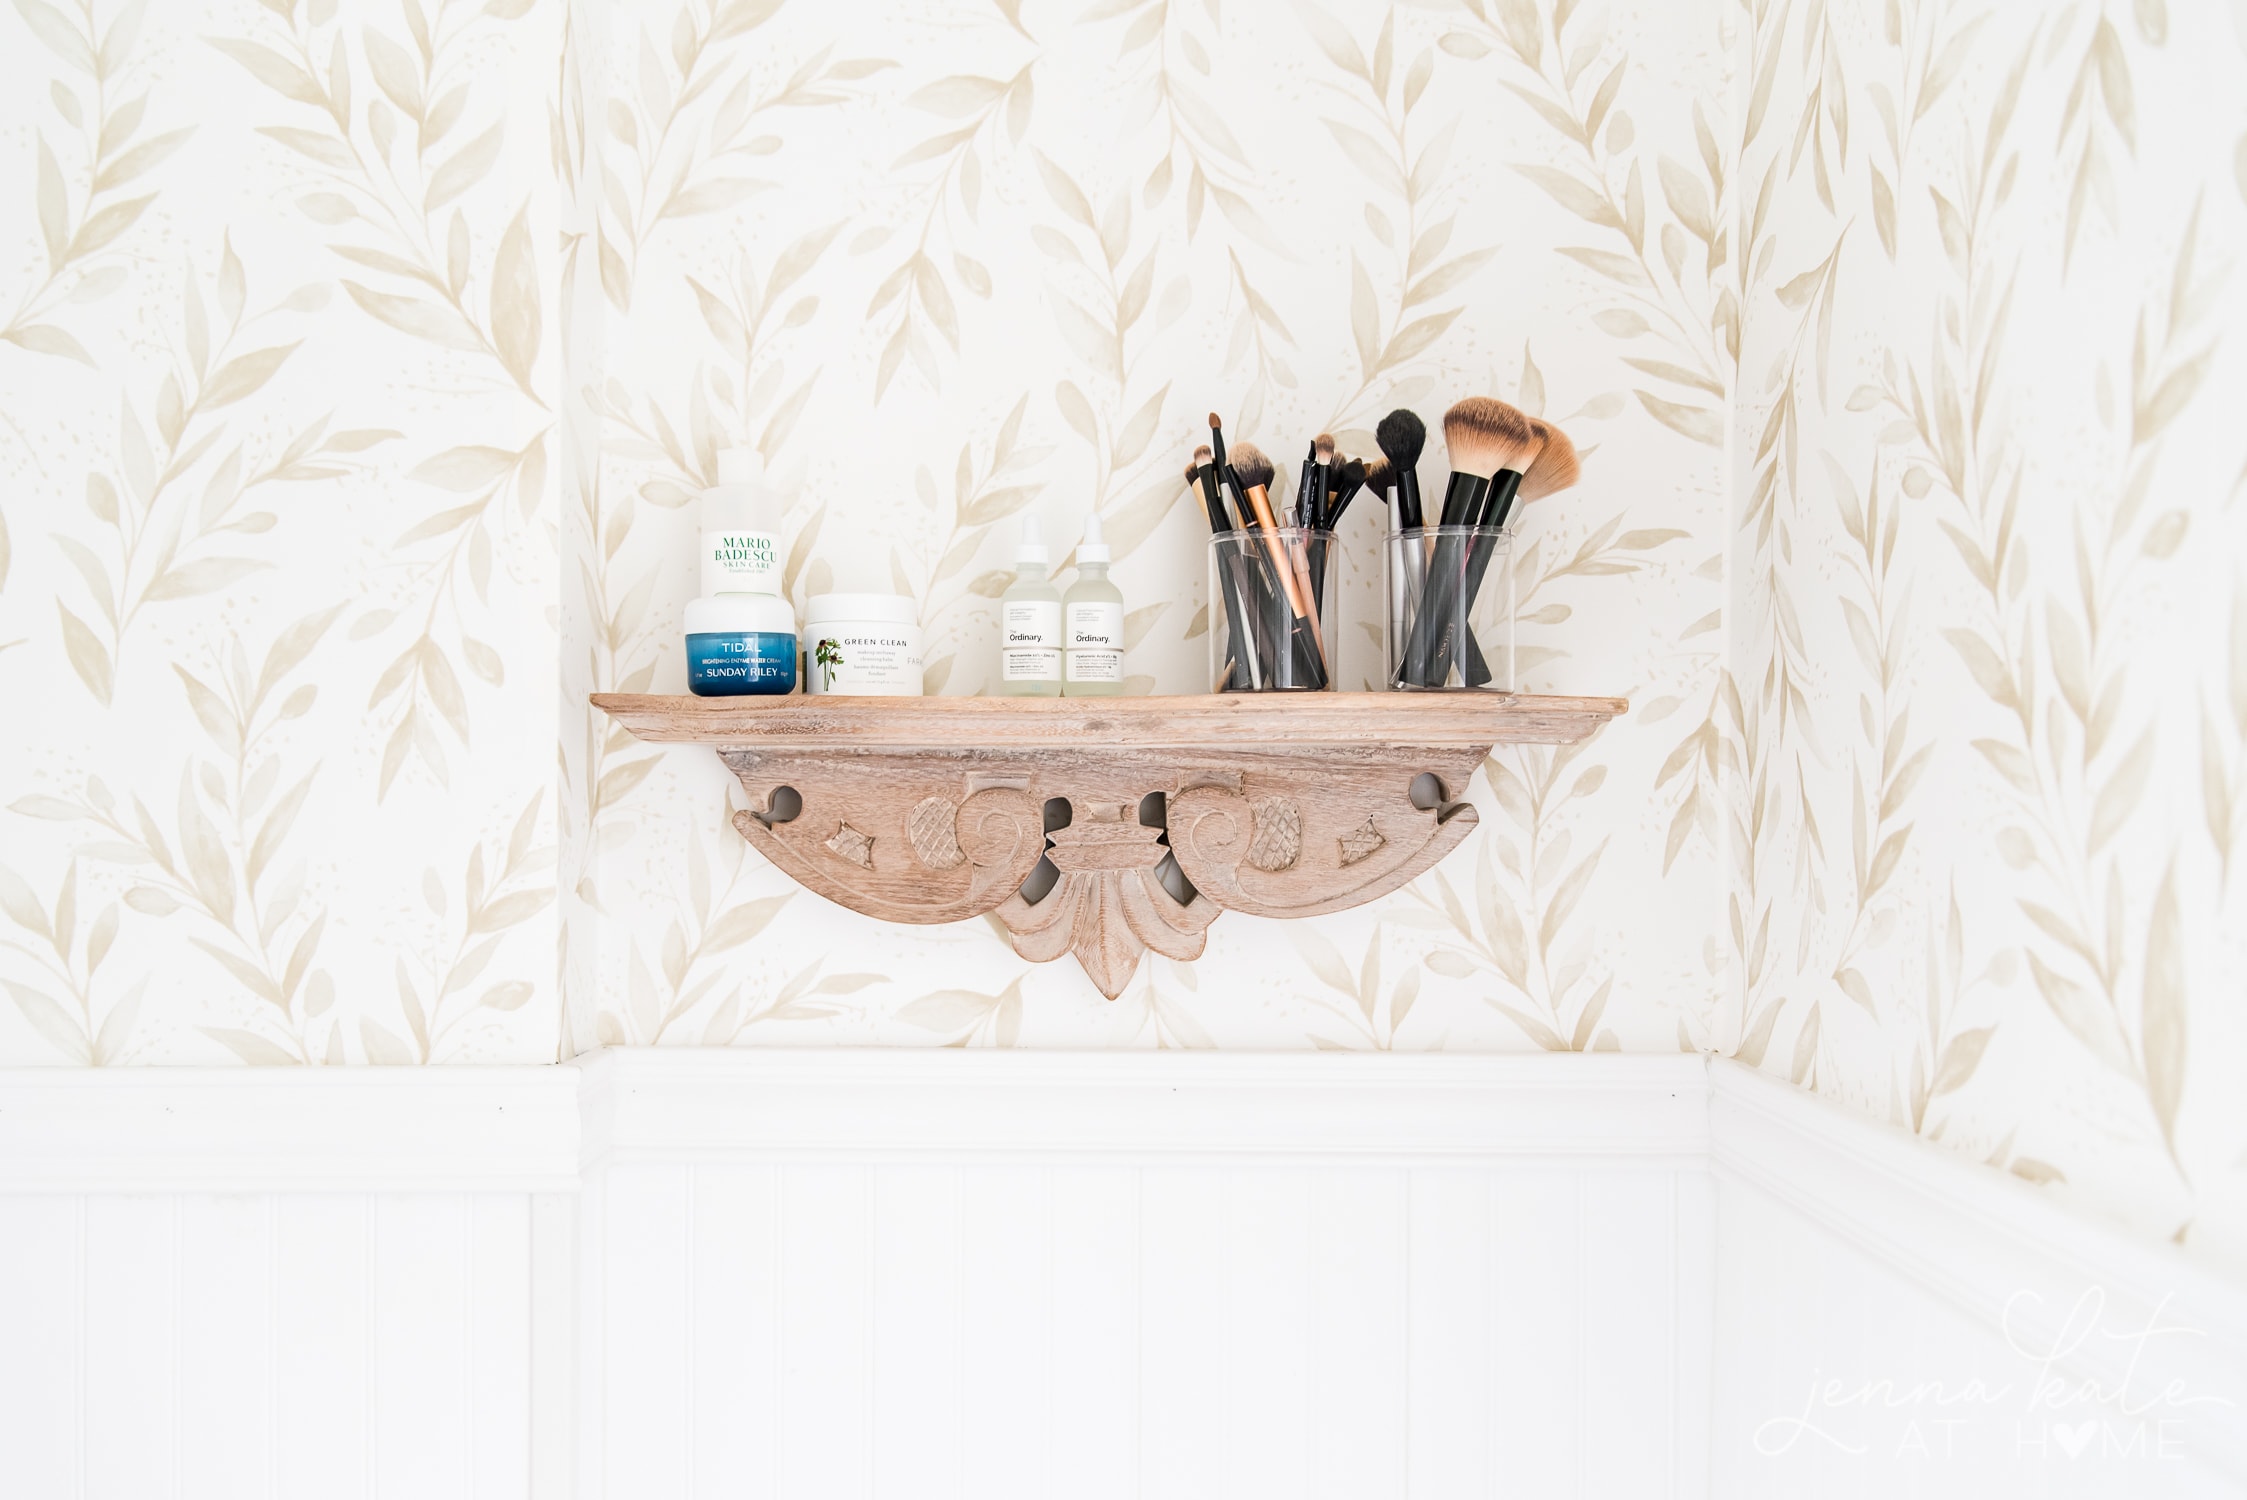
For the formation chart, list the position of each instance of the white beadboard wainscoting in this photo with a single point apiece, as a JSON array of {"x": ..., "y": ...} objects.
[
  {"x": 797, "y": 1274},
  {"x": 1115, "y": 1274},
  {"x": 287, "y": 1282},
  {"x": 1894, "y": 1320}
]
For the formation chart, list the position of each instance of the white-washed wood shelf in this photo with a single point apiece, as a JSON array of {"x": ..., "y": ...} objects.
[{"x": 1107, "y": 826}]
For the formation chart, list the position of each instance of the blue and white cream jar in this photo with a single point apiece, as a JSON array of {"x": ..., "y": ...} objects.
[{"x": 739, "y": 644}]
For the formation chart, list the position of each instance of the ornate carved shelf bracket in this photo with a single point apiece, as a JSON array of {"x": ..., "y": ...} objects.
[{"x": 1105, "y": 828}]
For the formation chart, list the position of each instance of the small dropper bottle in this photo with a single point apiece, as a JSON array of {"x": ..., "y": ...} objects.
[
  {"x": 1092, "y": 622},
  {"x": 1030, "y": 624}
]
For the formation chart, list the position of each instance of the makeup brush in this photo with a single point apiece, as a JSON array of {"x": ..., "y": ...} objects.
[
  {"x": 1332, "y": 498},
  {"x": 1322, "y": 468},
  {"x": 1348, "y": 477},
  {"x": 1302, "y": 512},
  {"x": 1401, "y": 436},
  {"x": 1244, "y": 514},
  {"x": 1485, "y": 438},
  {"x": 1201, "y": 478},
  {"x": 1202, "y": 474},
  {"x": 1304, "y": 665},
  {"x": 1255, "y": 588},
  {"x": 1555, "y": 468}
]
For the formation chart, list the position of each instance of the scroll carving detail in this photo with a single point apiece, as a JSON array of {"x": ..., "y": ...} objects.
[{"x": 944, "y": 837}]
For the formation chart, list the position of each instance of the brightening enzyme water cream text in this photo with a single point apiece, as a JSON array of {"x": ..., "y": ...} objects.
[{"x": 739, "y": 644}]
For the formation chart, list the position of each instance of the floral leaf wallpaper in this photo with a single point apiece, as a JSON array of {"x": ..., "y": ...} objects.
[
  {"x": 363, "y": 359},
  {"x": 974, "y": 264},
  {"x": 1983, "y": 593},
  {"x": 279, "y": 550}
]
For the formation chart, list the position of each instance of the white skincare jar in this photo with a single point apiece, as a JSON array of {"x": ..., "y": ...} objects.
[{"x": 863, "y": 645}]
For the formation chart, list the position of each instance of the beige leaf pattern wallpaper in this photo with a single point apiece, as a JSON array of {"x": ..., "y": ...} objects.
[
  {"x": 975, "y": 264},
  {"x": 1985, "y": 702},
  {"x": 278, "y": 573},
  {"x": 364, "y": 358}
]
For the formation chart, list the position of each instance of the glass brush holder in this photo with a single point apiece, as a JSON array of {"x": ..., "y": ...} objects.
[
  {"x": 1450, "y": 598},
  {"x": 1272, "y": 613}
]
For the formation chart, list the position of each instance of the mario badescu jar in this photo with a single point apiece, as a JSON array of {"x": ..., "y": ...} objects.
[{"x": 863, "y": 645}]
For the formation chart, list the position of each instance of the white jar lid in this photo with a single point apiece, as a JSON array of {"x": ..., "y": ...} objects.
[
  {"x": 732, "y": 614},
  {"x": 886, "y": 609}
]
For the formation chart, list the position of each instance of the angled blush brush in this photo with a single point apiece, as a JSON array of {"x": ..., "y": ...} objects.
[{"x": 1554, "y": 468}]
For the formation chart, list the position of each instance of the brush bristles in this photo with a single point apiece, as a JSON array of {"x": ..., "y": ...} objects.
[
  {"x": 1254, "y": 469},
  {"x": 1322, "y": 448},
  {"x": 1401, "y": 435},
  {"x": 1213, "y": 422},
  {"x": 1379, "y": 476},
  {"x": 1556, "y": 466},
  {"x": 1484, "y": 435},
  {"x": 1202, "y": 457}
]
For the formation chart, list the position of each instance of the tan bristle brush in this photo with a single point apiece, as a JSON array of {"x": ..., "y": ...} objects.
[
  {"x": 1485, "y": 437},
  {"x": 1555, "y": 468}
]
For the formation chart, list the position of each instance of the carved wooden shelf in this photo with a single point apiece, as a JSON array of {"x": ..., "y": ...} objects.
[{"x": 1278, "y": 805}]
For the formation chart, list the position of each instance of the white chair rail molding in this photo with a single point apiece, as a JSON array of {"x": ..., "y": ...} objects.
[{"x": 787, "y": 1273}]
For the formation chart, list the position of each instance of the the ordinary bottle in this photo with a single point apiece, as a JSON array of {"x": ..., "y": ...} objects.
[
  {"x": 1092, "y": 623},
  {"x": 1030, "y": 625}
]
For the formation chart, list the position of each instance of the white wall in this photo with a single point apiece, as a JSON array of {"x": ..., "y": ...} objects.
[{"x": 790, "y": 1274}]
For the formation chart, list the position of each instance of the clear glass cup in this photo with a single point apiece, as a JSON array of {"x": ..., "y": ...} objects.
[
  {"x": 1450, "y": 597},
  {"x": 1272, "y": 613}
]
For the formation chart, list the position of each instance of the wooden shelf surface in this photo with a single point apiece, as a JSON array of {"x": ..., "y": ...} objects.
[{"x": 1238, "y": 720}]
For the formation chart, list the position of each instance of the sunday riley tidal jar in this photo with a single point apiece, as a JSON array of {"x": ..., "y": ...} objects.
[
  {"x": 864, "y": 645},
  {"x": 740, "y": 643}
]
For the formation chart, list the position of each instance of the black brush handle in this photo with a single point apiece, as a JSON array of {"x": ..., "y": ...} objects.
[
  {"x": 1205, "y": 479},
  {"x": 1430, "y": 655},
  {"x": 1439, "y": 597},
  {"x": 1408, "y": 500},
  {"x": 1228, "y": 578},
  {"x": 1495, "y": 506}
]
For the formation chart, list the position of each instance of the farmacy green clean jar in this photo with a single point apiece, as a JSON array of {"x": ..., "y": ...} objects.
[{"x": 864, "y": 645}]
